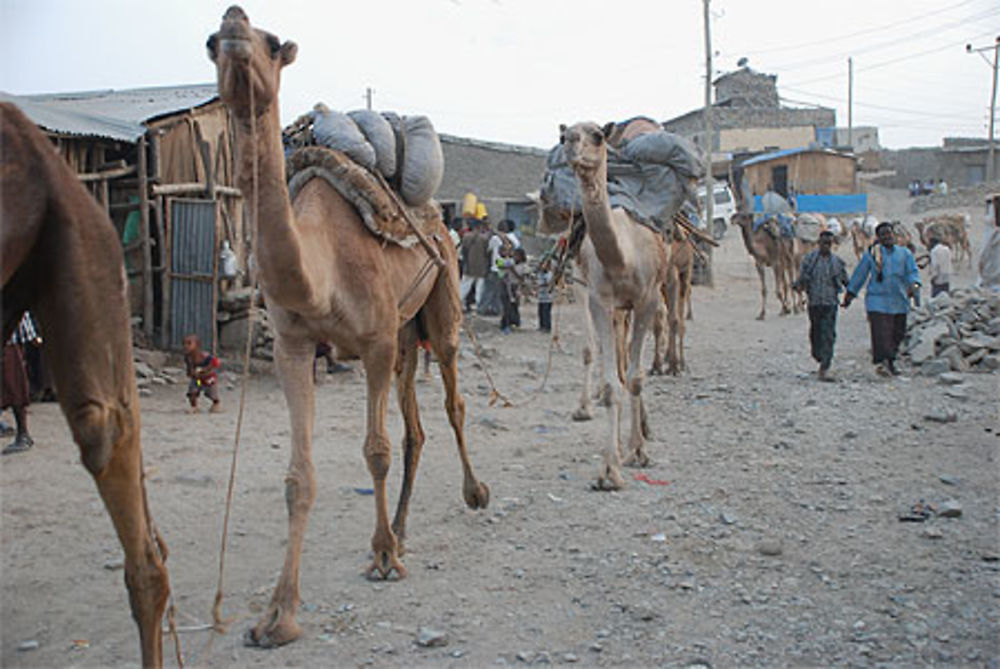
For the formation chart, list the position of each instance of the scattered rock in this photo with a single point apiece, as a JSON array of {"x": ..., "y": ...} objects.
[
  {"x": 115, "y": 565},
  {"x": 941, "y": 416},
  {"x": 951, "y": 378},
  {"x": 25, "y": 646},
  {"x": 770, "y": 548},
  {"x": 431, "y": 638},
  {"x": 200, "y": 480},
  {"x": 949, "y": 508},
  {"x": 935, "y": 367}
]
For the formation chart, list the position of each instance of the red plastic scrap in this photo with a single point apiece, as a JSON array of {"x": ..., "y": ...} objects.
[{"x": 645, "y": 479}]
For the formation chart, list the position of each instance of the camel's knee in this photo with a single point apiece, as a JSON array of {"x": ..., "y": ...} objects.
[
  {"x": 96, "y": 429},
  {"x": 588, "y": 355},
  {"x": 300, "y": 489},
  {"x": 634, "y": 384},
  {"x": 148, "y": 590},
  {"x": 377, "y": 455}
]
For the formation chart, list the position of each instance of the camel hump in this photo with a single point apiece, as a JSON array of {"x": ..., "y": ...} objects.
[{"x": 381, "y": 210}]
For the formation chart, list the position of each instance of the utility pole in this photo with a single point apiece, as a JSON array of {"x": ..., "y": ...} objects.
[
  {"x": 991, "y": 151},
  {"x": 709, "y": 184},
  {"x": 850, "y": 103},
  {"x": 368, "y": 98}
]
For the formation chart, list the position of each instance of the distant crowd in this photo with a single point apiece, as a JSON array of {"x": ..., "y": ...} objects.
[{"x": 928, "y": 187}]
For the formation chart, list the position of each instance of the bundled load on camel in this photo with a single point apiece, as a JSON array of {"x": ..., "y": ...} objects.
[
  {"x": 404, "y": 150},
  {"x": 959, "y": 332},
  {"x": 651, "y": 173}
]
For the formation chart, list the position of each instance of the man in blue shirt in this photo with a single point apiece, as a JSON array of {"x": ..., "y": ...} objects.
[{"x": 892, "y": 277}]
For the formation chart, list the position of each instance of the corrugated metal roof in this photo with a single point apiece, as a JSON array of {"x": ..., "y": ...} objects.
[
  {"x": 764, "y": 157},
  {"x": 118, "y": 115}
]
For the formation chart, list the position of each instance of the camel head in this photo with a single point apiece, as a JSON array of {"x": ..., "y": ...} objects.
[
  {"x": 247, "y": 57},
  {"x": 742, "y": 219},
  {"x": 585, "y": 145}
]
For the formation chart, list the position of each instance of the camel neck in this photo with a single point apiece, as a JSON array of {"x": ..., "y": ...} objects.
[
  {"x": 276, "y": 242},
  {"x": 598, "y": 218}
]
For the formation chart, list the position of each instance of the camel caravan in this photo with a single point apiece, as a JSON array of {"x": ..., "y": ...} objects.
[{"x": 351, "y": 249}]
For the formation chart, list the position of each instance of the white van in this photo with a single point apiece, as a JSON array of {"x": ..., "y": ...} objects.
[{"x": 723, "y": 207}]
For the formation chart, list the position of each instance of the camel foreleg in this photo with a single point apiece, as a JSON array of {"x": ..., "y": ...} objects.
[
  {"x": 294, "y": 360},
  {"x": 609, "y": 477},
  {"x": 379, "y": 363},
  {"x": 660, "y": 329},
  {"x": 413, "y": 432},
  {"x": 585, "y": 410},
  {"x": 636, "y": 456}
]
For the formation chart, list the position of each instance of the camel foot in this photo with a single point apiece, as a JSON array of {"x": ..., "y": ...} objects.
[
  {"x": 637, "y": 459},
  {"x": 275, "y": 629},
  {"x": 386, "y": 567},
  {"x": 609, "y": 479},
  {"x": 582, "y": 414},
  {"x": 656, "y": 370},
  {"x": 477, "y": 496},
  {"x": 760, "y": 316}
]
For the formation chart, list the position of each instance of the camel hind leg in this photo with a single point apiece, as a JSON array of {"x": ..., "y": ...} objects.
[
  {"x": 763, "y": 291},
  {"x": 442, "y": 316},
  {"x": 119, "y": 482}
]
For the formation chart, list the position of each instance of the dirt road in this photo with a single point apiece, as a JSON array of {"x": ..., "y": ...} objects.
[{"x": 776, "y": 539}]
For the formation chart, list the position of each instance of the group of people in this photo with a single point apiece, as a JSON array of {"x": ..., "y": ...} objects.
[
  {"x": 927, "y": 187},
  {"x": 495, "y": 274},
  {"x": 890, "y": 276}
]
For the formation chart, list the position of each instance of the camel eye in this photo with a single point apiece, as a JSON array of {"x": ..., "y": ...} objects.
[{"x": 597, "y": 137}]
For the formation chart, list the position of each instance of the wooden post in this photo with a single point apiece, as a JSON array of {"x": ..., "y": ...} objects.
[
  {"x": 709, "y": 183},
  {"x": 147, "y": 249},
  {"x": 164, "y": 272}
]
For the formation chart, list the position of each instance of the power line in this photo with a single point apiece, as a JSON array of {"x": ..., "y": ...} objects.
[
  {"x": 871, "y": 105},
  {"x": 891, "y": 61},
  {"x": 838, "y": 38},
  {"x": 883, "y": 45}
]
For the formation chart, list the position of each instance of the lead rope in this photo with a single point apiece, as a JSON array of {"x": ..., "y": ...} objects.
[{"x": 218, "y": 623}]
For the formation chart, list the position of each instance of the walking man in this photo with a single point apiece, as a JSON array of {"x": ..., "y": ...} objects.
[
  {"x": 940, "y": 266},
  {"x": 893, "y": 278},
  {"x": 822, "y": 276}
]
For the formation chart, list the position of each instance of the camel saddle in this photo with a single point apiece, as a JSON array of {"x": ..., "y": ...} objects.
[{"x": 381, "y": 209}]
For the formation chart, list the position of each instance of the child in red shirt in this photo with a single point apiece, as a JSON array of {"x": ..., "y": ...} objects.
[{"x": 201, "y": 368}]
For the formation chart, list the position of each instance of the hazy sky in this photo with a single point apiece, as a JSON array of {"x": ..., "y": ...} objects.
[{"x": 512, "y": 70}]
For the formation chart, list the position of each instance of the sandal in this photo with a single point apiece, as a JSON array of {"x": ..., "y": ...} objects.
[{"x": 19, "y": 445}]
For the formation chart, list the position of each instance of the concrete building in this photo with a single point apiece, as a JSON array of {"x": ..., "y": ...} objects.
[
  {"x": 505, "y": 177},
  {"x": 960, "y": 161},
  {"x": 748, "y": 118}
]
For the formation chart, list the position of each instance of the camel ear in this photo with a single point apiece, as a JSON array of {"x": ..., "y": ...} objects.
[
  {"x": 562, "y": 133},
  {"x": 608, "y": 129},
  {"x": 288, "y": 52}
]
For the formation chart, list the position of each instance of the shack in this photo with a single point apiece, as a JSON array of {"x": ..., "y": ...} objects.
[
  {"x": 160, "y": 161},
  {"x": 817, "y": 179}
]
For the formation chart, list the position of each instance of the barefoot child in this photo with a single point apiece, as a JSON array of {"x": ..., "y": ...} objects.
[{"x": 201, "y": 368}]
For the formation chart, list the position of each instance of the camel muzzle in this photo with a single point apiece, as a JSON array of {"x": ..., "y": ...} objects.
[{"x": 236, "y": 48}]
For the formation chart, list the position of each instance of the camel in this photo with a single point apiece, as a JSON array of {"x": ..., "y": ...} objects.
[
  {"x": 327, "y": 278},
  {"x": 951, "y": 229},
  {"x": 624, "y": 264},
  {"x": 676, "y": 300},
  {"x": 62, "y": 261},
  {"x": 768, "y": 249},
  {"x": 860, "y": 238}
]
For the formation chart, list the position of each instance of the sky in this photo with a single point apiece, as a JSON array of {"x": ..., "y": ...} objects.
[{"x": 512, "y": 70}]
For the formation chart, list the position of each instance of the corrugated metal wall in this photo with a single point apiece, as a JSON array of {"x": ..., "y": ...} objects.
[{"x": 193, "y": 271}]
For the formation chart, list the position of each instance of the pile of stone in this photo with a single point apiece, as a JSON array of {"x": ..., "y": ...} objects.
[
  {"x": 152, "y": 369},
  {"x": 234, "y": 310},
  {"x": 957, "y": 332}
]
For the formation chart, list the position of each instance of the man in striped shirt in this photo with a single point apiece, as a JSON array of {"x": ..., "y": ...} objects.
[{"x": 822, "y": 276}]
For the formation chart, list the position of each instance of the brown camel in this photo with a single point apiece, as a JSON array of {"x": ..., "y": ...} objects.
[
  {"x": 61, "y": 260},
  {"x": 676, "y": 300},
  {"x": 951, "y": 229},
  {"x": 769, "y": 249},
  {"x": 624, "y": 265},
  {"x": 326, "y": 278},
  {"x": 860, "y": 238}
]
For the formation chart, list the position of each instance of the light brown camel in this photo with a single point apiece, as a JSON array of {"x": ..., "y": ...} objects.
[
  {"x": 951, "y": 230},
  {"x": 327, "y": 278},
  {"x": 670, "y": 317},
  {"x": 624, "y": 265},
  {"x": 61, "y": 260},
  {"x": 769, "y": 249},
  {"x": 860, "y": 239}
]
